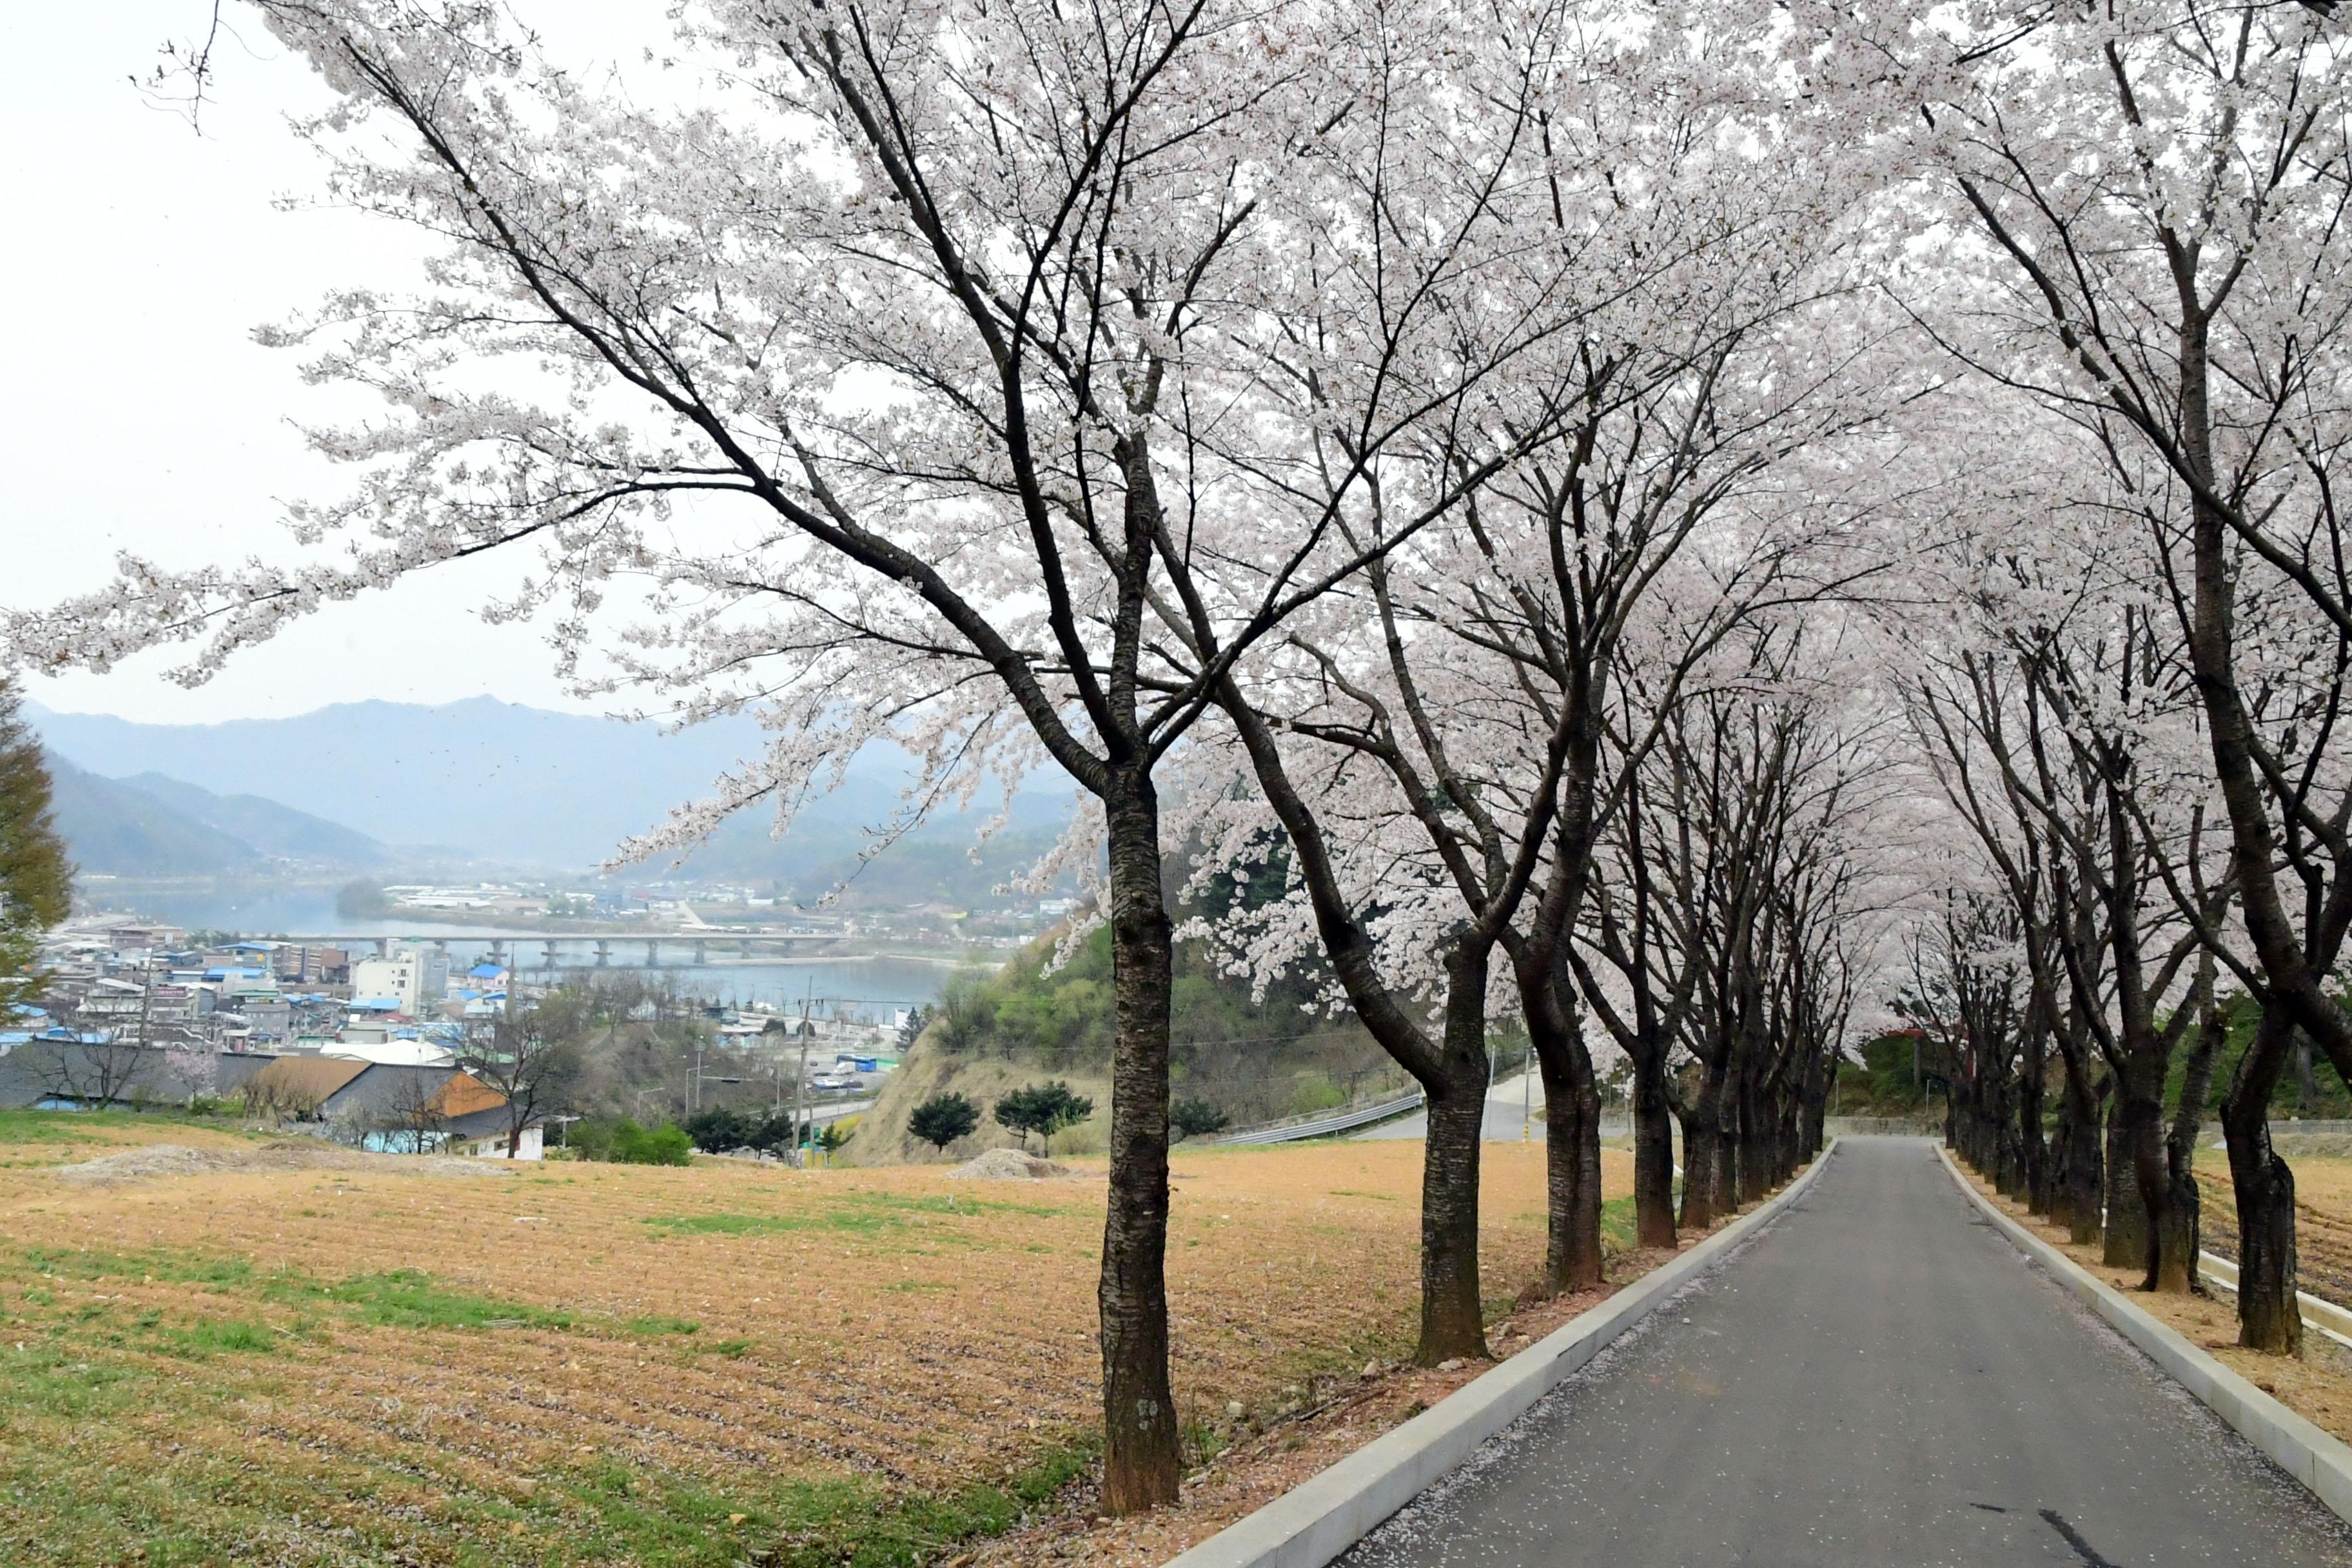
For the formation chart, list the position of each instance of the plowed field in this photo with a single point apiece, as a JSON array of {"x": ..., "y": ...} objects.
[
  {"x": 263, "y": 1363},
  {"x": 2323, "y": 1218}
]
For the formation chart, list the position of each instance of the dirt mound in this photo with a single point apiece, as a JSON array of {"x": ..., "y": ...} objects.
[
  {"x": 1008, "y": 1166},
  {"x": 158, "y": 1160},
  {"x": 141, "y": 1164}
]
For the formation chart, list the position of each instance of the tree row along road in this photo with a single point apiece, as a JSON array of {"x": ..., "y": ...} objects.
[{"x": 1877, "y": 1378}]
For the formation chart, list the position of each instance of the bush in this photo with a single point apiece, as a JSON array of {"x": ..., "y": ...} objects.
[
  {"x": 1044, "y": 1109},
  {"x": 942, "y": 1119},
  {"x": 1196, "y": 1119},
  {"x": 661, "y": 1146},
  {"x": 624, "y": 1142},
  {"x": 720, "y": 1129}
]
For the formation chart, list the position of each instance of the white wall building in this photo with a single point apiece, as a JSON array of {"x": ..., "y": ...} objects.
[{"x": 418, "y": 977}]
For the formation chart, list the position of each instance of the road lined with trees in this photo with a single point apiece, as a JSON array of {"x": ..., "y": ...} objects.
[
  {"x": 1879, "y": 1377},
  {"x": 1704, "y": 535}
]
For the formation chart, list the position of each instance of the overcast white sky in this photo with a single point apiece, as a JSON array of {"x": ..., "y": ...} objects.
[{"x": 135, "y": 410}]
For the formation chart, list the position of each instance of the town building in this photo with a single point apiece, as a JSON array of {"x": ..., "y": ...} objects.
[{"x": 416, "y": 975}]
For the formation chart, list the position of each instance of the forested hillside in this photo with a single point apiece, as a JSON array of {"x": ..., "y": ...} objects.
[{"x": 1253, "y": 1059}]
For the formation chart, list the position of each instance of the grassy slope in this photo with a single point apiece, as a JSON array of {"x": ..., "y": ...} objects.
[{"x": 581, "y": 1364}]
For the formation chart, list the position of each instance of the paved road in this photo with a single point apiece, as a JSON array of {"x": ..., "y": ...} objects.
[
  {"x": 1877, "y": 1379},
  {"x": 1515, "y": 1108}
]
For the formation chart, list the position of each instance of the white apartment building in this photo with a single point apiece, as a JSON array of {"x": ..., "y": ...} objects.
[{"x": 417, "y": 977}]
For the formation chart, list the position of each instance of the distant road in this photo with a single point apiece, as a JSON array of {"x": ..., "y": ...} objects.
[
  {"x": 1878, "y": 1379},
  {"x": 1513, "y": 1105},
  {"x": 427, "y": 930}
]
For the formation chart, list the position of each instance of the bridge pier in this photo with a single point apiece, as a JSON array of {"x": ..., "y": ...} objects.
[
  {"x": 653, "y": 956},
  {"x": 701, "y": 951},
  {"x": 603, "y": 953},
  {"x": 547, "y": 954}
]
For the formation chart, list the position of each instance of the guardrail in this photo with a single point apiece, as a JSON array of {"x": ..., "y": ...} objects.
[{"x": 1324, "y": 1126}]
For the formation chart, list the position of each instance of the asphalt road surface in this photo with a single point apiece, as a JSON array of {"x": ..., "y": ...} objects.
[{"x": 1877, "y": 1378}]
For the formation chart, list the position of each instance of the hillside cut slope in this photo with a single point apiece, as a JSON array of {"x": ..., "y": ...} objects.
[{"x": 1255, "y": 1061}]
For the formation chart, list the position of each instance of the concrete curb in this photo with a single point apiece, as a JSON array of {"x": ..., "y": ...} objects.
[
  {"x": 1314, "y": 1522},
  {"x": 2322, "y": 1463}
]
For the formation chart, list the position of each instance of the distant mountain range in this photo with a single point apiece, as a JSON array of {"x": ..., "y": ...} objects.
[
  {"x": 509, "y": 785},
  {"x": 152, "y": 826}
]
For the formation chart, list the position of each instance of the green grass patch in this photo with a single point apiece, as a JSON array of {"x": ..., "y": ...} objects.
[
  {"x": 1617, "y": 1224},
  {"x": 85, "y": 1126},
  {"x": 60, "y": 1381},
  {"x": 850, "y": 1523},
  {"x": 728, "y": 1223},
  {"x": 406, "y": 1299},
  {"x": 218, "y": 1336},
  {"x": 214, "y": 1508},
  {"x": 853, "y": 1214},
  {"x": 157, "y": 1263},
  {"x": 654, "y": 1324}
]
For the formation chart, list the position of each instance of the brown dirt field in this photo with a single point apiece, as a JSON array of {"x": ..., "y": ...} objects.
[
  {"x": 728, "y": 1328},
  {"x": 2323, "y": 1217},
  {"x": 2317, "y": 1386}
]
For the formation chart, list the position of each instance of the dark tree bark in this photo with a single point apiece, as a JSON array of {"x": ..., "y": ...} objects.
[
  {"x": 2033, "y": 1073},
  {"x": 2082, "y": 1184},
  {"x": 2125, "y": 1244},
  {"x": 1142, "y": 1456},
  {"x": 1572, "y": 1147},
  {"x": 2269, "y": 1317},
  {"x": 1654, "y": 1152},
  {"x": 2174, "y": 1265},
  {"x": 1702, "y": 1156},
  {"x": 1453, "y": 1320}
]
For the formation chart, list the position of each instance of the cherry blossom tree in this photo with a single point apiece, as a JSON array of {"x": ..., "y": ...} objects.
[
  {"x": 989, "y": 379},
  {"x": 1430, "y": 745},
  {"x": 2159, "y": 192}
]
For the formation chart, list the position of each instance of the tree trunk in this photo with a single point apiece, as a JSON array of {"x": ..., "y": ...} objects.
[
  {"x": 1452, "y": 1320},
  {"x": 2176, "y": 1238},
  {"x": 1571, "y": 1160},
  {"x": 2269, "y": 1317},
  {"x": 1654, "y": 1152},
  {"x": 1702, "y": 1159},
  {"x": 1758, "y": 1159},
  {"x": 1816, "y": 1108},
  {"x": 2082, "y": 1169},
  {"x": 1141, "y": 1457},
  {"x": 2126, "y": 1243},
  {"x": 2151, "y": 1177}
]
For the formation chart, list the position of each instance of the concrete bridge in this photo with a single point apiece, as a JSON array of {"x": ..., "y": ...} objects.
[{"x": 559, "y": 948}]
